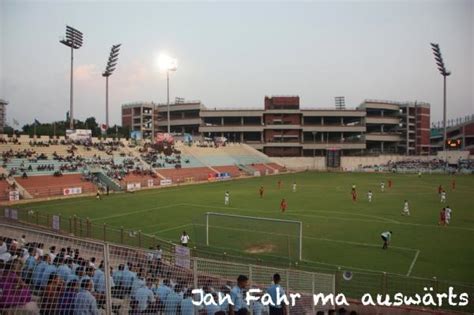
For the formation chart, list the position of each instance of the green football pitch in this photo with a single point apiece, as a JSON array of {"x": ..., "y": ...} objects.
[{"x": 336, "y": 231}]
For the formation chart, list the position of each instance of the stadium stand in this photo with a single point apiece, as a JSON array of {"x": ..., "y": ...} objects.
[
  {"x": 43, "y": 186},
  {"x": 54, "y": 274}
]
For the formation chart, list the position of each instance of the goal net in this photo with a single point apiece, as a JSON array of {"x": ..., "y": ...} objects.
[{"x": 237, "y": 234}]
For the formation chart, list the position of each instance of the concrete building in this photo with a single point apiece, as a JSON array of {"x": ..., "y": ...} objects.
[
  {"x": 457, "y": 129},
  {"x": 3, "y": 114},
  {"x": 282, "y": 128}
]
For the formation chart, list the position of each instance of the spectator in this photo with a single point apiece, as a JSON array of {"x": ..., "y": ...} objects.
[
  {"x": 187, "y": 306},
  {"x": 273, "y": 292},
  {"x": 173, "y": 301},
  {"x": 163, "y": 290},
  {"x": 66, "y": 301},
  {"x": 146, "y": 302},
  {"x": 237, "y": 296},
  {"x": 15, "y": 294},
  {"x": 51, "y": 295},
  {"x": 85, "y": 303}
]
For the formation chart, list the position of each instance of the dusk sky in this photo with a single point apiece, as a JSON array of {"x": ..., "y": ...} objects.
[{"x": 232, "y": 54}]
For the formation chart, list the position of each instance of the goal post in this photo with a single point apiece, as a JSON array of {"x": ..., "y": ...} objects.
[{"x": 255, "y": 235}]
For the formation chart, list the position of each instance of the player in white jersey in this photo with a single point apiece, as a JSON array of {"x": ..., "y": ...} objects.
[
  {"x": 447, "y": 213},
  {"x": 382, "y": 186},
  {"x": 443, "y": 196},
  {"x": 294, "y": 187},
  {"x": 406, "y": 208},
  {"x": 226, "y": 198},
  {"x": 369, "y": 195}
]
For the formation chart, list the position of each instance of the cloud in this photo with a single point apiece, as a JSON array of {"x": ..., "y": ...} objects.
[{"x": 86, "y": 72}]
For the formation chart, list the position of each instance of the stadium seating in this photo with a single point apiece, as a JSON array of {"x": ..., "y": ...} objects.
[{"x": 47, "y": 186}]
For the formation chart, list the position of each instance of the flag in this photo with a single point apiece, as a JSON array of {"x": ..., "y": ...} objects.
[
  {"x": 37, "y": 122},
  {"x": 15, "y": 122}
]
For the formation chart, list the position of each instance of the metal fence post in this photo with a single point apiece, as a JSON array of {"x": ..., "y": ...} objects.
[
  {"x": 435, "y": 285},
  {"x": 37, "y": 217},
  {"x": 108, "y": 288},
  {"x": 70, "y": 224},
  {"x": 139, "y": 238},
  {"x": 105, "y": 232},
  {"x": 195, "y": 272},
  {"x": 338, "y": 276},
  {"x": 384, "y": 283},
  {"x": 250, "y": 280},
  {"x": 313, "y": 280},
  {"x": 121, "y": 235},
  {"x": 287, "y": 275},
  {"x": 75, "y": 225}
]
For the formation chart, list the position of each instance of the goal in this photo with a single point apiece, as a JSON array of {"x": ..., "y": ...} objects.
[{"x": 253, "y": 235}]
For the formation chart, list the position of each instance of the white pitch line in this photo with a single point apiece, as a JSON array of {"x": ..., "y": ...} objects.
[
  {"x": 134, "y": 212},
  {"x": 413, "y": 263},
  {"x": 385, "y": 220},
  {"x": 171, "y": 229}
]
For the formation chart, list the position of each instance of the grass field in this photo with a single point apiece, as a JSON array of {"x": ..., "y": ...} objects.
[{"x": 336, "y": 231}]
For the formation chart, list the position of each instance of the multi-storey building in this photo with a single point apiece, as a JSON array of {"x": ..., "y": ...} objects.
[
  {"x": 3, "y": 114},
  {"x": 282, "y": 128}
]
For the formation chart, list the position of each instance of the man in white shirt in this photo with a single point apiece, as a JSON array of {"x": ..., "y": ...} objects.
[
  {"x": 447, "y": 213},
  {"x": 406, "y": 208},
  {"x": 294, "y": 187},
  {"x": 443, "y": 196},
  {"x": 226, "y": 198},
  {"x": 185, "y": 239},
  {"x": 369, "y": 195}
]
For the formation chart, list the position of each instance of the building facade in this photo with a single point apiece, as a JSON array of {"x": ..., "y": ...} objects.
[
  {"x": 457, "y": 129},
  {"x": 283, "y": 128}
]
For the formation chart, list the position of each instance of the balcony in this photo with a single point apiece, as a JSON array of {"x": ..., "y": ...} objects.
[
  {"x": 230, "y": 128},
  {"x": 180, "y": 121},
  {"x": 282, "y": 126},
  {"x": 389, "y": 137},
  {"x": 333, "y": 128},
  {"x": 382, "y": 120},
  {"x": 321, "y": 145}
]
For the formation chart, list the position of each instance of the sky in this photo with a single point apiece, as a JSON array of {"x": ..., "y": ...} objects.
[{"x": 232, "y": 54}]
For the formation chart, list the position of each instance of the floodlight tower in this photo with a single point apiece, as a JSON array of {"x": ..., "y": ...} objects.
[
  {"x": 445, "y": 73},
  {"x": 73, "y": 40},
  {"x": 167, "y": 63},
  {"x": 109, "y": 69}
]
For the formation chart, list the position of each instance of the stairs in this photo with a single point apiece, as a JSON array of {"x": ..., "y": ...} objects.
[{"x": 106, "y": 180}]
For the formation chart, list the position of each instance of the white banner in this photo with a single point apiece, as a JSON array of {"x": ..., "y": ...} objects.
[
  {"x": 150, "y": 183},
  {"x": 133, "y": 186},
  {"x": 166, "y": 182},
  {"x": 13, "y": 214},
  {"x": 256, "y": 173},
  {"x": 56, "y": 222},
  {"x": 7, "y": 213},
  {"x": 14, "y": 195},
  {"x": 72, "y": 191},
  {"x": 183, "y": 257}
]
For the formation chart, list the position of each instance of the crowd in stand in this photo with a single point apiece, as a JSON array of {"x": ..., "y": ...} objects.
[
  {"x": 417, "y": 165},
  {"x": 64, "y": 282}
]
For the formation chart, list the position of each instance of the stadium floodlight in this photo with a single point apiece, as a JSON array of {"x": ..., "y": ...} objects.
[
  {"x": 167, "y": 63},
  {"x": 265, "y": 235},
  {"x": 73, "y": 39},
  {"x": 445, "y": 73},
  {"x": 109, "y": 69}
]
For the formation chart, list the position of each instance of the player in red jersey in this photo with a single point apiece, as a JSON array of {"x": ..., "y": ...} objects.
[
  {"x": 279, "y": 183},
  {"x": 442, "y": 217},
  {"x": 261, "y": 191},
  {"x": 354, "y": 196},
  {"x": 440, "y": 189},
  {"x": 283, "y": 205},
  {"x": 389, "y": 183},
  {"x": 453, "y": 184}
]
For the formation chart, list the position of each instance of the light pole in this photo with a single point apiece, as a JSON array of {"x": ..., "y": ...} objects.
[
  {"x": 73, "y": 40},
  {"x": 167, "y": 63},
  {"x": 442, "y": 70},
  {"x": 109, "y": 69}
]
